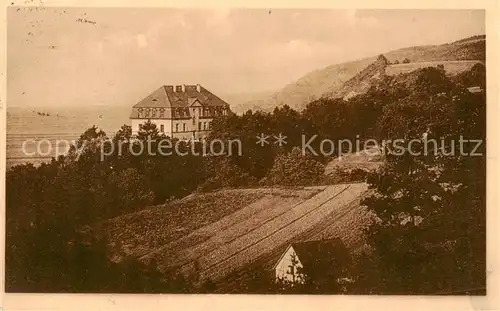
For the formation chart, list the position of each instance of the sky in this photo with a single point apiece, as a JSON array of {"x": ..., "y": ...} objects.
[{"x": 117, "y": 56}]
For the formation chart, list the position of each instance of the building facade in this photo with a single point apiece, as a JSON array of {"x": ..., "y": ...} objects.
[
  {"x": 321, "y": 262},
  {"x": 289, "y": 268},
  {"x": 179, "y": 111}
]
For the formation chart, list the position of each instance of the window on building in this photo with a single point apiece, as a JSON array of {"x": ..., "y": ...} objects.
[
  {"x": 183, "y": 127},
  {"x": 146, "y": 113},
  {"x": 162, "y": 113},
  {"x": 140, "y": 127},
  {"x": 153, "y": 113},
  {"x": 177, "y": 127},
  {"x": 199, "y": 126},
  {"x": 204, "y": 125},
  {"x": 162, "y": 128}
]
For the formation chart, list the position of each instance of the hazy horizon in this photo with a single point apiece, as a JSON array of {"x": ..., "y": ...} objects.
[{"x": 116, "y": 56}]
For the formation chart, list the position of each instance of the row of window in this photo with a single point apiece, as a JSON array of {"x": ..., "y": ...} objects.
[
  {"x": 183, "y": 127},
  {"x": 202, "y": 112},
  {"x": 153, "y": 113},
  {"x": 181, "y": 112},
  {"x": 202, "y": 126}
]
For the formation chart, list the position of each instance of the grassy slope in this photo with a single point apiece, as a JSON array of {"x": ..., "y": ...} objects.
[
  {"x": 277, "y": 232},
  {"x": 346, "y": 223},
  {"x": 329, "y": 79},
  {"x": 140, "y": 233},
  {"x": 451, "y": 67},
  {"x": 143, "y": 233},
  {"x": 222, "y": 233}
]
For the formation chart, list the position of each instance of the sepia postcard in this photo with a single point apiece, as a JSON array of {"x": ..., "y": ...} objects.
[{"x": 316, "y": 153}]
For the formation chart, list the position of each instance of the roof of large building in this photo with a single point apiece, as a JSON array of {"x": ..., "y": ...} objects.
[{"x": 169, "y": 96}]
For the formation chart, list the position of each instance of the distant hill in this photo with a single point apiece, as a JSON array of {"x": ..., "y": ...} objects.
[
  {"x": 375, "y": 72},
  {"x": 330, "y": 80},
  {"x": 240, "y": 103}
]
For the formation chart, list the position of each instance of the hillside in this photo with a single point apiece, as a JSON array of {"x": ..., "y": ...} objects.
[
  {"x": 361, "y": 82},
  {"x": 376, "y": 73},
  {"x": 451, "y": 67},
  {"x": 329, "y": 80},
  {"x": 221, "y": 233}
]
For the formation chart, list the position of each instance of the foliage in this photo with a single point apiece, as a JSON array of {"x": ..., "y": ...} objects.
[
  {"x": 226, "y": 174},
  {"x": 430, "y": 234},
  {"x": 295, "y": 169},
  {"x": 474, "y": 77}
]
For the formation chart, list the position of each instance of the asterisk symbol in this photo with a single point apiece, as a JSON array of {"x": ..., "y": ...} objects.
[
  {"x": 280, "y": 140},
  {"x": 262, "y": 139}
]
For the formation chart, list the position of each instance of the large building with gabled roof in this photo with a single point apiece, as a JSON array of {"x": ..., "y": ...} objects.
[{"x": 179, "y": 111}]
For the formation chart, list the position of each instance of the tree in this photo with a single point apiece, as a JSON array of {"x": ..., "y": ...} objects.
[
  {"x": 225, "y": 174},
  {"x": 148, "y": 129},
  {"x": 476, "y": 76},
  {"x": 130, "y": 190},
  {"x": 295, "y": 169},
  {"x": 406, "y": 61},
  {"x": 427, "y": 204},
  {"x": 329, "y": 118}
]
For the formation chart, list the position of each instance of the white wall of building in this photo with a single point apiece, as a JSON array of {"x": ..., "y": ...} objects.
[
  {"x": 282, "y": 269},
  {"x": 182, "y": 129},
  {"x": 167, "y": 125}
]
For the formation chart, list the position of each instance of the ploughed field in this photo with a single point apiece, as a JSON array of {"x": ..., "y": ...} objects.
[
  {"x": 451, "y": 67},
  {"x": 221, "y": 235}
]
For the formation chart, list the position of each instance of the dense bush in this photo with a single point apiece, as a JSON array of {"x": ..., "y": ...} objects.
[{"x": 295, "y": 169}]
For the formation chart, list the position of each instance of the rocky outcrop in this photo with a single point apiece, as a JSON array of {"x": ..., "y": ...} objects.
[{"x": 361, "y": 82}]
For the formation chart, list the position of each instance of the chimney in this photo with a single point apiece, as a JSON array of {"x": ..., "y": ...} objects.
[
  {"x": 198, "y": 88},
  {"x": 183, "y": 88},
  {"x": 178, "y": 88}
]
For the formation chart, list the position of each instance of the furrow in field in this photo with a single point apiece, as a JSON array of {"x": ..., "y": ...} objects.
[
  {"x": 268, "y": 228},
  {"x": 264, "y": 210},
  {"x": 242, "y": 251},
  {"x": 234, "y": 281},
  {"x": 204, "y": 232}
]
